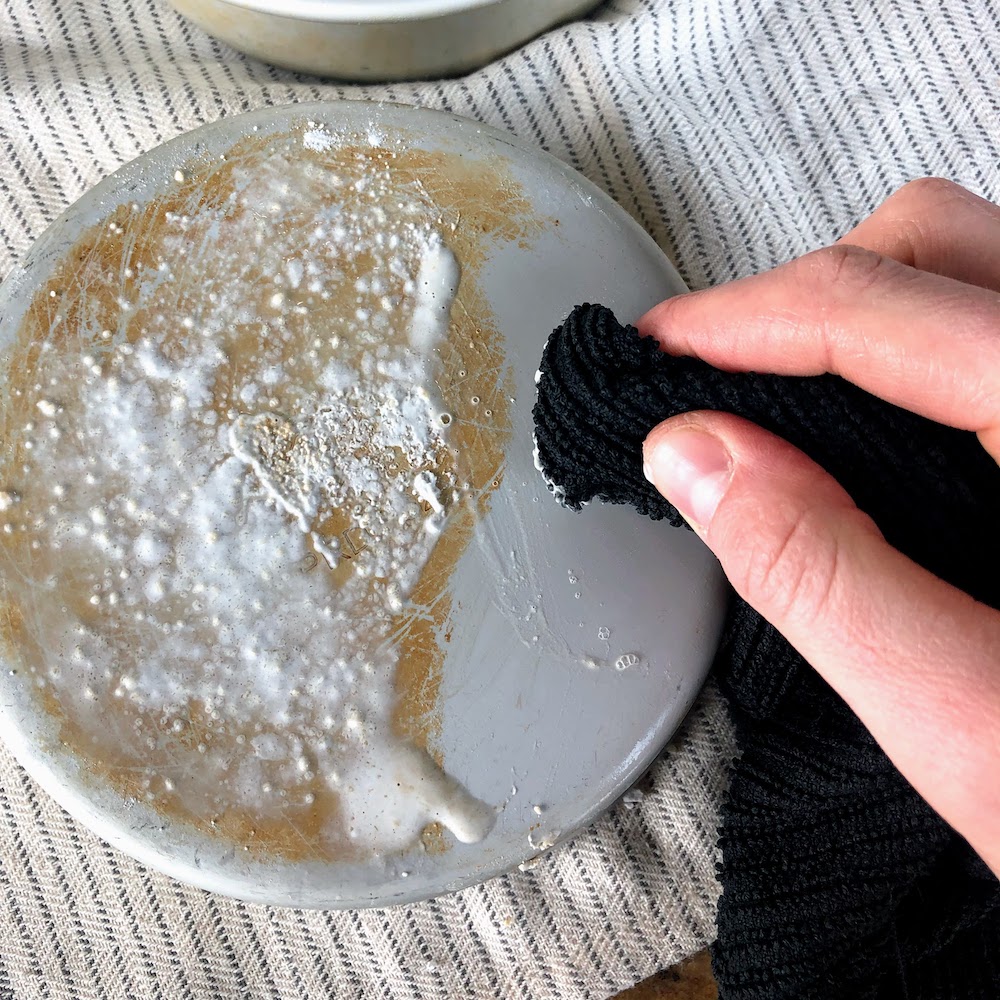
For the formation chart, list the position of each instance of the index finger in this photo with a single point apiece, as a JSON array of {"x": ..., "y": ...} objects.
[
  {"x": 925, "y": 342},
  {"x": 936, "y": 225}
]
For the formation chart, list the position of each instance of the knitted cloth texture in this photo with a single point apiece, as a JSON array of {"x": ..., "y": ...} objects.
[{"x": 838, "y": 879}]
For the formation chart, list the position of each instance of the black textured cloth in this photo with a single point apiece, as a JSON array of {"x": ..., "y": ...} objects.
[{"x": 838, "y": 880}]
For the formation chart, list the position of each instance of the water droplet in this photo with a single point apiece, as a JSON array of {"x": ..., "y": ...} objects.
[{"x": 627, "y": 660}]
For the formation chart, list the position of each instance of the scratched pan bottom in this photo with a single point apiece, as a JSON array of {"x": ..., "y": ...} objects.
[{"x": 576, "y": 641}]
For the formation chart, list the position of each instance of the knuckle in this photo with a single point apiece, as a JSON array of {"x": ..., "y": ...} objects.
[
  {"x": 918, "y": 211},
  {"x": 846, "y": 271},
  {"x": 793, "y": 571},
  {"x": 927, "y": 192},
  {"x": 983, "y": 394}
]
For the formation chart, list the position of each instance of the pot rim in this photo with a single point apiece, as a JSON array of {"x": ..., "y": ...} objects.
[{"x": 359, "y": 11}]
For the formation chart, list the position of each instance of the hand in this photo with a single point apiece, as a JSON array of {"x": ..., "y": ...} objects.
[{"x": 907, "y": 306}]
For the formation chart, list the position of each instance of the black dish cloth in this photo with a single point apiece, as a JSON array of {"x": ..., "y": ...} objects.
[{"x": 838, "y": 880}]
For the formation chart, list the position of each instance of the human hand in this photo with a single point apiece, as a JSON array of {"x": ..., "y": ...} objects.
[{"x": 906, "y": 306}]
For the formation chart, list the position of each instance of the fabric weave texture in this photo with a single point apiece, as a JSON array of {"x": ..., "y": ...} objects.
[{"x": 738, "y": 133}]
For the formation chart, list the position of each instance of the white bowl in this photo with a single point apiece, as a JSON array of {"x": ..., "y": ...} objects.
[{"x": 378, "y": 39}]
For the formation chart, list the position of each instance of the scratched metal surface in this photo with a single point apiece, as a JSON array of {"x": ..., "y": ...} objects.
[{"x": 578, "y": 641}]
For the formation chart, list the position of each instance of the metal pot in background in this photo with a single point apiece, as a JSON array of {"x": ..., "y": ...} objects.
[{"x": 378, "y": 39}]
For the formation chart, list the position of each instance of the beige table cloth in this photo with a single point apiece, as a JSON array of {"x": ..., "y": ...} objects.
[{"x": 739, "y": 133}]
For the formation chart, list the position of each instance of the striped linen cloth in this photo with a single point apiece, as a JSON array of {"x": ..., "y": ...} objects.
[{"x": 738, "y": 133}]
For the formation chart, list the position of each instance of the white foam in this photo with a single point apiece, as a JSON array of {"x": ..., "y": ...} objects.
[{"x": 214, "y": 534}]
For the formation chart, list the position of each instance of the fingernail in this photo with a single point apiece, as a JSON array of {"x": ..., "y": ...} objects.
[{"x": 692, "y": 469}]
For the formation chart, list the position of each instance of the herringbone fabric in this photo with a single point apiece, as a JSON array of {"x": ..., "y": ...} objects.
[{"x": 739, "y": 133}]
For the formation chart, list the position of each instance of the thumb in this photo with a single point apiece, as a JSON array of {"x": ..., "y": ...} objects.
[
  {"x": 779, "y": 524},
  {"x": 913, "y": 656}
]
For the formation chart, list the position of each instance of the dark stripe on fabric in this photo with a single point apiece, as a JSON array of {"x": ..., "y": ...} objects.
[
  {"x": 219, "y": 926},
  {"x": 110, "y": 937},
  {"x": 593, "y": 166},
  {"x": 542, "y": 966},
  {"x": 431, "y": 967},
  {"x": 412, "y": 979},
  {"x": 30, "y": 951},
  {"x": 258, "y": 947},
  {"x": 38, "y": 889},
  {"x": 316, "y": 954},
  {"x": 357, "y": 980},
  {"x": 654, "y": 861},
  {"x": 488, "y": 970},
  {"x": 626, "y": 191},
  {"x": 134, "y": 926},
  {"x": 6, "y": 990},
  {"x": 586, "y": 928},
  {"x": 280, "y": 938},
  {"x": 544, "y": 91},
  {"x": 375, "y": 978},
  {"x": 79, "y": 932},
  {"x": 468, "y": 982},
  {"x": 181, "y": 894},
  {"x": 152, "y": 897},
  {"x": 514, "y": 963}
]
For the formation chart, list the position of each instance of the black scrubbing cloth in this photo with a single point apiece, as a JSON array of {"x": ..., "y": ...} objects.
[{"x": 838, "y": 880}]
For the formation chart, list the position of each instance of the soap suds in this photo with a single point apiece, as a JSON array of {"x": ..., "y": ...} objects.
[
  {"x": 554, "y": 488},
  {"x": 437, "y": 282},
  {"x": 250, "y": 501},
  {"x": 318, "y": 139}
]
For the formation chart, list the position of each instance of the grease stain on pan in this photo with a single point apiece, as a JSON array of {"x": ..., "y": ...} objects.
[{"x": 286, "y": 284}]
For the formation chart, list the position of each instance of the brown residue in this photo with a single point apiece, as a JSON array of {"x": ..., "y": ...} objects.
[
  {"x": 480, "y": 207},
  {"x": 433, "y": 839}
]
